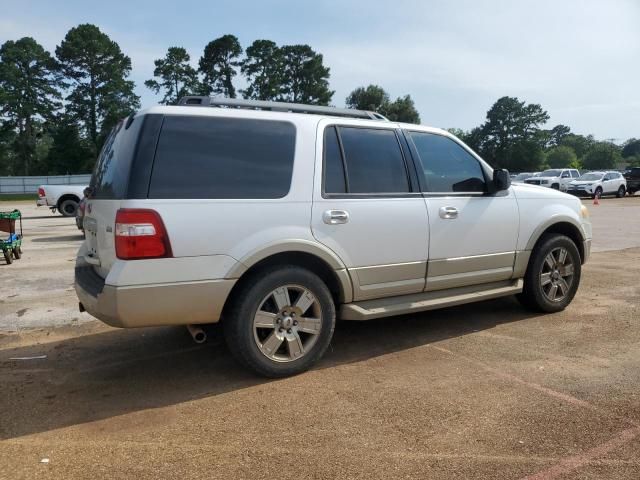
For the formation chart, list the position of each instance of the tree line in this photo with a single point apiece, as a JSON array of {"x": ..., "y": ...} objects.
[{"x": 57, "y": 109}]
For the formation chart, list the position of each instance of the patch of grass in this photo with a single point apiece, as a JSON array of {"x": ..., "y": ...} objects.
[{"x": 13, "y": 197}]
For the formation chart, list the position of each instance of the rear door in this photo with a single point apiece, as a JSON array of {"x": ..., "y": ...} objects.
[
  {"x": 368, "y": 209},
  {"x": 473, "y": 233}
]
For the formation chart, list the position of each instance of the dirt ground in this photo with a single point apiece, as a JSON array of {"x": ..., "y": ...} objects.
[{"x": 478, "y": 391}]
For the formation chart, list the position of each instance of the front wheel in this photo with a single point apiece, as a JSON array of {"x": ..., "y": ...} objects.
[
  {"x": 620, "y": 193},
  {"x": 597, "y": 193},
  {"x": 280, "y": 323},
  {"x": 553, "y": 274},
  {"x": 7, "y": 256}
]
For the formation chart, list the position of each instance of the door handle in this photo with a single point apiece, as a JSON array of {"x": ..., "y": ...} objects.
[
  {"x": 448, "y": 212},
  {"x": 335, "y": 217}
]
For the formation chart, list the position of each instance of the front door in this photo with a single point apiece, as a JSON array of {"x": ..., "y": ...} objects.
[
  {"x": 367, "y": 209},
  {"x": 473, "y": 234}
]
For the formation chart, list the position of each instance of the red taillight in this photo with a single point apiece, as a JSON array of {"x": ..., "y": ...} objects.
[
  {"x": 41, "y": 192},
  {"x": 140, "y": 234}
]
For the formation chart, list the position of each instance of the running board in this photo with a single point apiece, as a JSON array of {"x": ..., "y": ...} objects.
[{"x": 419, "y": 302}]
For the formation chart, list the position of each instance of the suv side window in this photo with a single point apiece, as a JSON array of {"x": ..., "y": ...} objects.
[
  {"x": 213, "y": 157},
  {"x": 608, "y": 176},
  {"x": 447, "y": 166},
  {"x": 575, "y": 174},
  {"x": 363, "y": 160},
  {"x": 565, "y": 174}
]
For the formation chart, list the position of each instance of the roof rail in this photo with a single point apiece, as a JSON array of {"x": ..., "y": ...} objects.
[{"x": 204, "y": 101}]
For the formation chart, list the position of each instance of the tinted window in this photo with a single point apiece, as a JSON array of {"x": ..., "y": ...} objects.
[
  {"x": 575, "y": 174},
  {"x": 373, "y": 161},
  {"x": 447, "y": 166},
  {"x": 212, "y": 157},
  {"x": 110, "y": 177},
  {"x": 334, "y": 181}
]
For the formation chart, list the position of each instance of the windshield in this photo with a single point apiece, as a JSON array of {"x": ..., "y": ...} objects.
[
  {"x": 591, "y": 176},
  {"x": 551, "y": 173}
]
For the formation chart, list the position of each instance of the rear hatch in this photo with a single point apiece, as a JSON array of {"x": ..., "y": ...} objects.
[{"x": 108, "y": 188}]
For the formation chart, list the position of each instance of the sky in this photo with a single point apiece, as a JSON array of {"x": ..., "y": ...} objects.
[{"x": 579, "y": 59}]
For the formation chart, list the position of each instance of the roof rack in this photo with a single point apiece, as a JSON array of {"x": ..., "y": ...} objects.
[{"x": 203, "y": 101}]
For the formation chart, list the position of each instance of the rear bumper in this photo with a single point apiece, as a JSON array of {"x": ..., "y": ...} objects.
[{"x": 150, "y": 305}]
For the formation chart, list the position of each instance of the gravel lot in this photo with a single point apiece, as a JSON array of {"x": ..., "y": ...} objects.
[{"x": 479, "y": 391}]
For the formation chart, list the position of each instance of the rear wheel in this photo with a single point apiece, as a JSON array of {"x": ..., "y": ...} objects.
[
  {"x": 68, "y": 207},
  {"x": 621, "y": 192},
  {"x": 17, "y": 253},
  {"x": 7, "y": 256},
  {"x": 280, "y": 323},
  {"x": 553, "y": 274}
]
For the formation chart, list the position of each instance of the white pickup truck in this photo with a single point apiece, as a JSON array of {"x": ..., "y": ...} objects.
[{"x": 64, "y": 198}]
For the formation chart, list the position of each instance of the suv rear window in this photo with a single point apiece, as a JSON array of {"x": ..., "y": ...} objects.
[{"x": 214, "y": 157}]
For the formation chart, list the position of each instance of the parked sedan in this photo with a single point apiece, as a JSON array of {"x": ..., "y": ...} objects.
[{"x": 598, "y": 184}]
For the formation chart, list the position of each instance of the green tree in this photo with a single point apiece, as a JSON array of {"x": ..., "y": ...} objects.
[
  {"x": 100, "y": 93},
  {"x": 631, "y": 147},
  {"x": 29, "y": 95},
  {"x": 177, "y": 77},
  {"x": 262, "y": 69},
  {"x": 557, "y": 134},
  {"x": 602, "y": 155},
  {"x": 562, "y": 157},
  {"x": 579, "y": 143},
  {"x": 69, "y": 152},
  {"x": 218, "y": 63},
  {"x": 304, "y": 77},
  {"x": 373, "y": 98},
  {"x": 376, "y": 99},
  {"x": 403, "y": 110},
  {"x": 511, "y": 128}
]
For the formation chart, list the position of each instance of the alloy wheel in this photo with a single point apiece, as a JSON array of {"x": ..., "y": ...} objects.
[
  {"x": 556, "y": 276},
  {"x": 287, "y": 323}
]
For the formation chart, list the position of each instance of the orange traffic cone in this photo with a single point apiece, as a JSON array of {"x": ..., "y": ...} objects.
[{"x": 596, "y": 199}]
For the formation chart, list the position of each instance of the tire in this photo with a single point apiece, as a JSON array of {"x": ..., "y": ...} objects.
[
  {"x": 68, "y": 208},
  {"x": 555, "y": 186},
  {"x": 7, "y": 257},
  {"x": 17, "y": 253},
  {"x": 620, "y": 192},
  {"x": 542, "y": 276},
  {"x": 597, "y": 193},
  {"x": 284, "y": 346}
]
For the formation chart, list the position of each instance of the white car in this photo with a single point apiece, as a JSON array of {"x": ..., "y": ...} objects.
[
  {"x": 597, "y": 184},
  {"x": 557, "y": 178},
  {"x": 64, "y": 198},
  {"x": 275, "y": 219}
]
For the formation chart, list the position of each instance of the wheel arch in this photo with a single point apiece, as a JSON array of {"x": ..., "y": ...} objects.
[
  {"x": 301, "y": 254},
  {"x": 563, "y": 226}
]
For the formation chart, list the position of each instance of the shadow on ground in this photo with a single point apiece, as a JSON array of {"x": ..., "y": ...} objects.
[{"x": 102, "y": 375}]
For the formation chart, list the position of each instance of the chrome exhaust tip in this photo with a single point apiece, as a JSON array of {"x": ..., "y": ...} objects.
[{"x": 197, "y": 333}]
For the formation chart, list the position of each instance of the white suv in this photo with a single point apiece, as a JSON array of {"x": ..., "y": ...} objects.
[
  {"x": 276, "y": 219},
  {"x": 597, "y": 184},
  {"x": 557, "y": 178}
]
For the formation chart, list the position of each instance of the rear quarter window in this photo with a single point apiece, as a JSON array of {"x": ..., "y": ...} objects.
[
  {"x": 110, "y": 177},
  {"x": 216, "y": 157}
]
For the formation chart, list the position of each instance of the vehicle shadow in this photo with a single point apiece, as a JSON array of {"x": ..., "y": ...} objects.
[
  {"x": 63, "y": 238},
  {"x": 98, "y": 376}
]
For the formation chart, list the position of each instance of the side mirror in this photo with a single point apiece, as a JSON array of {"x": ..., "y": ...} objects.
[{"x": 501, "y": 180}]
